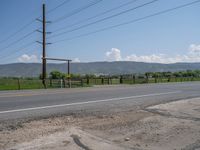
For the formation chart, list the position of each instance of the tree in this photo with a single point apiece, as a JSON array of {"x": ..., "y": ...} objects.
[
  {"x": 75, "y": 76},
  {"x": 90, "y": 76},
  {"x": 57, "y": 75},
  {"x": 177, "y": 74}
]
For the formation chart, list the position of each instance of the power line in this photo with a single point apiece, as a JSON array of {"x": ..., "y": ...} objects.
[
  {"x": 60, "y": 5},
  {"x": 25, "y": 36},
  {"x": 31, "y": 22},
  {"x": 51, "y": 10},
  {"x": 13, "y": 43},
  {"x": 54, "y": 8},
  {"x": 14, "y": 51},
  {"x": 18, "y": 31},
  {"x": 77, "y": 11},
  {"x": 132, "y": 21},
  {"x": 18, "y": 55},
  {"x": 106, "y": 18},
  {"x": 25, "y": 26},
  {"x": 95, "y": 16}
]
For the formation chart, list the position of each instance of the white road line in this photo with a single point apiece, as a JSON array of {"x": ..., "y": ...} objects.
[{"x": 87, "y": 102}]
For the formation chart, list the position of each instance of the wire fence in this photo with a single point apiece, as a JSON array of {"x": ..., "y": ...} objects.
[{"x": 19, "y": 83}]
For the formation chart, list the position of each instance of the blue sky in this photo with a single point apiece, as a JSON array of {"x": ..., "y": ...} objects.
[{"x": 167, "y": 38}]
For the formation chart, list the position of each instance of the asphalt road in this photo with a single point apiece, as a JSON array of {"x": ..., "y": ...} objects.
[{"x": 15, "y": 105}]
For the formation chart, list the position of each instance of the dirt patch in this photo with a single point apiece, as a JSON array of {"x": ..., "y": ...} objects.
[{"x": 170, "y": 126}]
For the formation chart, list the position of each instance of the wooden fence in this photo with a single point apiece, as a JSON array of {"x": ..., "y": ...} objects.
[{"x": 17, "y": 84}]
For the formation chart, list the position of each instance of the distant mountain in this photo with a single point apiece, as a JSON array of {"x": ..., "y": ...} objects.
[{"x": 119, "y": 67}]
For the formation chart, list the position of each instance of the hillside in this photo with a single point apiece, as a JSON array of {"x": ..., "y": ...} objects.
[{"x": 34, "y": 69}]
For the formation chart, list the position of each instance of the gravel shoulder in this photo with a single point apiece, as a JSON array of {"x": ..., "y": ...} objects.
[{"x": 169, "y": 126}]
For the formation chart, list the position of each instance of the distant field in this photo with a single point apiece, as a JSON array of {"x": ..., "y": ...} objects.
[{"x": 17, "y": 84}]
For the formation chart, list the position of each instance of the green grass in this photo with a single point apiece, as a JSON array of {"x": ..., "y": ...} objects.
[
  {"x": 8, "y": 84},
  {"x": 31, "y": 84},
  {"x": 12, "y": 84}
]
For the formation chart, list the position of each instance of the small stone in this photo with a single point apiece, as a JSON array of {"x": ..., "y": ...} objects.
[
  {"x": 69, "y": 119},
  {"x": 127, "y": 139},
  {"x": 66, "y": 142},
  {"x": 138, "y": 145}
]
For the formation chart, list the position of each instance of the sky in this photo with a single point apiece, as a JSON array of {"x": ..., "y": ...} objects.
[{"x": 166, "y": 38}]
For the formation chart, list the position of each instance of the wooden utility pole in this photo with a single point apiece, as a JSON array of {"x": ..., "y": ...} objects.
[
  {"x": 43, "y": 21},
  {"x": 68, "y": 73},
  {"x": 44, "y": 47}
]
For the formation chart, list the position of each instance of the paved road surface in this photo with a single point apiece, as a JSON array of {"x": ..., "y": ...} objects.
[{"x": 44, "y": 103}]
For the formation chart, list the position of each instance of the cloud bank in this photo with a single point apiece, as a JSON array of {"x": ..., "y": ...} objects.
[
  {"x": 28, "y": 58},
  {"x": 76, "y": 60},
  {"x": 113, "y": 55},
  {"x": 193, "y": 55}
]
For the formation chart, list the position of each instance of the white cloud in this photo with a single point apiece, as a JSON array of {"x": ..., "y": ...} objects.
[
  {"x": 161, "y": 58},
  {"x": 193, "y": 55},
  {"x": 26, "y": 58},
  {"x": 113, "y": 55},
  {"x": 76, "y": 60},
  {"x": 194, "y": 48}
]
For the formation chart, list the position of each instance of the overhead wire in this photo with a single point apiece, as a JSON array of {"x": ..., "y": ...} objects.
[
  {"x": 18, "y": 31},
  {"x": 25, "y": 36},
  {"x": 14, "y": 51},
  {"x": 76, "y": 11},
  {"x": 103, "y": 19},
  {"x": 130, "y": 22},
  {"x": 100, "y": 30},
  {"x": 31, "y": 22},
  {"x": 13, "y": 43},
  {"x": 58, "y": 6},
  {"x": 95, "y": 16}
]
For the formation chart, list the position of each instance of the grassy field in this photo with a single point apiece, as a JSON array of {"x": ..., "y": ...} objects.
[{"x": 17, "y": 84}]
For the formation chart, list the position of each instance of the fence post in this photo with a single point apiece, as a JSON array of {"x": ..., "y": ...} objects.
[
  {"x": 18, "y": 82},
  {"x": 95, "y": 81},
  {"x": 64, "y": 82},
  {"x": 50, "y": 82},
  {"x": 61, "y": 83},
  {"x": 147, "y": 79},
  {"x": 169, "y": 79},
  {"x": 156, "y": 80},
  {"x": 133, "y": 79},
  {"x": 102, "y": 80},
  {"x": 88, "y": 81},
  {"x": 121, "y": 80},
  {"x": 70, "y": 83},
  {"x": 82, "y": 82}
]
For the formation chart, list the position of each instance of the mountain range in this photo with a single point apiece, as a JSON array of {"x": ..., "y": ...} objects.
[{"x": 118, "y": 67}]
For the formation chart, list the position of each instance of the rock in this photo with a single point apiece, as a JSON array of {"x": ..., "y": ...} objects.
[{"x": 127, "y": 139}]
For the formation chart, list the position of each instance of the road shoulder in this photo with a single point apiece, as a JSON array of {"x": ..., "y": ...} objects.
[{"x": 174, "y": 125}]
